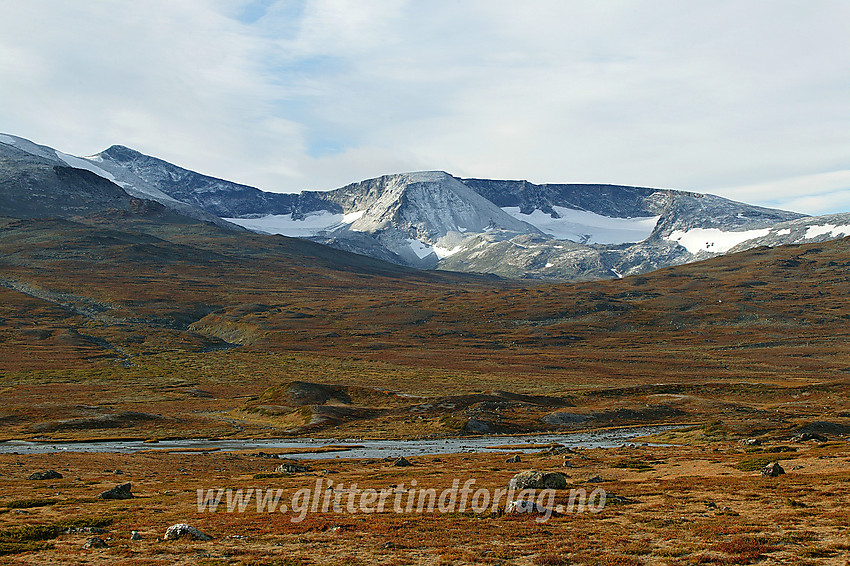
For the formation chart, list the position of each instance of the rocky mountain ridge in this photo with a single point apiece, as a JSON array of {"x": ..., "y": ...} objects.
[{"x": 433, "y": 220}]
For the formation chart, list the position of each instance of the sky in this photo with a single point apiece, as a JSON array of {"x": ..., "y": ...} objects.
[{"x": 747, "y": 99}]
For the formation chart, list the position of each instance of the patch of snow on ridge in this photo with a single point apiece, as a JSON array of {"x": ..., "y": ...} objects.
[
  {"x": 588, "y": 227},
  {"x": 284, "y": 224},
  {"x": 352, "y": 216},
  {"x": 783, "y": 232},
  {"x": 445, "y": 252},
  {"x": 830, "y": 229},
  {"x": 423, "y": 250},
  {"x": 80, "y": 163},
  {"x": 7, "y": 140},
  {"x": 420, "y": 248},
  {"x": 713, "y": 239}
]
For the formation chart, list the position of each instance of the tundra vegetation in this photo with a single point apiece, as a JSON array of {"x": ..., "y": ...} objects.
[{"x": 146, "y": 326}]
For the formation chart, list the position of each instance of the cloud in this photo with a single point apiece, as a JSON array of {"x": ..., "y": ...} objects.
[
  {"x": 700, "y": 95},
  {"x": 820, "y": 193}
]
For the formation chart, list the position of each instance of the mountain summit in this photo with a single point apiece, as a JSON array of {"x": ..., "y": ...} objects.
[{"x": 431, "y": 219}]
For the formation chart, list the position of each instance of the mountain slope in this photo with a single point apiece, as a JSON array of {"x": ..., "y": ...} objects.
[
  {"x": 433, "y": 220},
  {"x": 19, "y": 159}
]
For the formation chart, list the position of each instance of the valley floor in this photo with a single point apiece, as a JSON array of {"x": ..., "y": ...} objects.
[{"x": 701, "y": 500}]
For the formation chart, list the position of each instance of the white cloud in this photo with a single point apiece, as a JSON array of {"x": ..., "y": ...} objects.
[
  {"x": 699, "y": 95},
  {"x": 810, "y": 194}
]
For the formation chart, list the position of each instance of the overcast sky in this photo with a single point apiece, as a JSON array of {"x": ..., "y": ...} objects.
[{"x": 747, "y": 99}]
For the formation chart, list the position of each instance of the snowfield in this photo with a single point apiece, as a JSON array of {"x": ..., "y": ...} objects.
[
  {"x": 588, "y": 227},
  {"x": 713, "y": 240},
  {"x": 285, "y": 225},
  {"x": 830, "y": 229}
]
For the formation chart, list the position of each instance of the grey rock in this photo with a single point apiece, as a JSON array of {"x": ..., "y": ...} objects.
[
  {"x": 807, "y": 436},
  {"x": 95, "y": 542},
  {"x": 402, "y": 462},
  {"x": 514, "y": 459},
  {"x": 477, "y": 426},
  {"x": 181, "y": 530},
  {"x": 533, "y": 479},
  {"x": 772, "y": 470},
  {"x": 84, "y": 530},
  {"x": 45, "y": 475},
  {"x": 134, "y": 535},
  {"x": 522, "y": 506},
  {"x": 123, "y": 491},
  {"x": 290, "y": 468}
]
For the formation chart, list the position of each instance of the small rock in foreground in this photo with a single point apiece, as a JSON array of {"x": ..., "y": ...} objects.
[
  {"x": 772, "y": 470},
  {"x": 45, "y": 475},
  {"x": 122, "y": 491},
  {"x": 180, "y": 530},
  {"x": 532, "y": 479},
  {"x": 290, "y": 468},
  {"x": 521, "y": 506},
  {"x": 95, "y": 542}
]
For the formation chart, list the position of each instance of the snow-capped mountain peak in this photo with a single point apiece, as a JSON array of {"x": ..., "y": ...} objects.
[{"x": 431, "y": 219}]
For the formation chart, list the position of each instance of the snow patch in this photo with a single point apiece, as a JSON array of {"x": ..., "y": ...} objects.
[
  {"x": 284, "y": 224},
  {"x": 713, "y": 239},
  {"x": 588, "y": 227},
  {"x": 783, "y": 232},
  {"x": 352, "y": 216},
  {"x": 80, "y": 163},
  {"x": 7, "y": 140},
  {"x": 830, "y": 229},
  {"x": 423, "y": 250},
  {"x": 420, "y": 248},
  {"x": 445, "y": 252},
  {"x": 550, "y": 264}
]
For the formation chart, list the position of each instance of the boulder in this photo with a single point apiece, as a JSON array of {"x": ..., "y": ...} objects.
[
  {"x": 134, "y": 535},
  {"x": 181, "y": 530},
  {"x": 402, "y": 462},
  {"x": 122, "y": 491},
  {"x": 807, "y": 436},
  {"x": 45, "y": 475},
  {"x": 476, "y": 426},
  {"x": 95, "y": 542},
  {"x": 521, "y": 506},
  {"x": 532, "y": 479},
  {"x": 290, "y": 468},
  {"x": 772, "y": 470},
  {"x": 83, "y": 530},
  {"x": 513, "y": 460}
]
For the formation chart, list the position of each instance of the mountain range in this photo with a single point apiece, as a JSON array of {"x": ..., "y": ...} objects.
[{"x": 426, "y": 220}]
